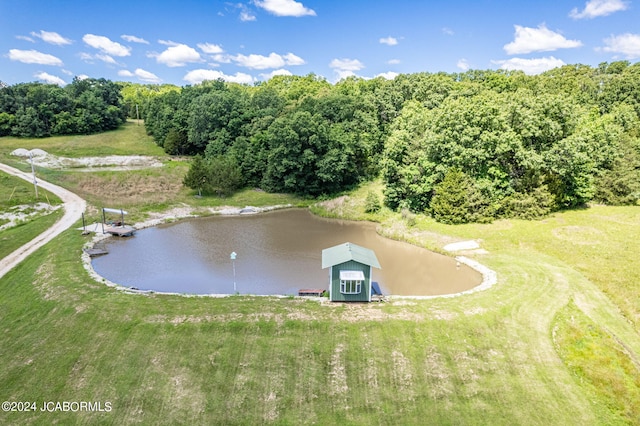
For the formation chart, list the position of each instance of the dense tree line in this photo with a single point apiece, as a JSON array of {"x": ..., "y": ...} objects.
[
  {"x": 501, "y": 145},
  {"x": 290, "y": 134},
  {"x": 82, "y": 107},
  {"x": 463, "y": 147}
]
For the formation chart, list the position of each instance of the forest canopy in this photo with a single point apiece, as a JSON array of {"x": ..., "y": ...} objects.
[
  {"x": 463, "y": 147},
  {"x": 37, "y": 110}
]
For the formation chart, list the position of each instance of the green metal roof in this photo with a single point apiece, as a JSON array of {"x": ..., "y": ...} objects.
[{"x": 346, "y": 252}]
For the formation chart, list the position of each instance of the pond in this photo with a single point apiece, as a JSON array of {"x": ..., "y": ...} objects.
[{"x": 278, "y": 253}]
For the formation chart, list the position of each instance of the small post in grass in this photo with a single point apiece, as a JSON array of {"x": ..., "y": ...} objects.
[{"x": 233, "y": 261}]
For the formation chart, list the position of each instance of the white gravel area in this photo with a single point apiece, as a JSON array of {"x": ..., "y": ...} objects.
[{"x": 42, "y": 158}]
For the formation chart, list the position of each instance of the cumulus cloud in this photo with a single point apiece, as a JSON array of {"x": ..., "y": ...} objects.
[
  {"x": 393, "y": 61},
  {"x": 346, "y": 67},
  {"x": 285, "y": 8},
  {"x": 463, "y": 64},
  {"x": 260, "y": 62},
  {"x": 346, "y": 64},
  {"x": 210, "y": 48},
  {"x": 178, "y": 55},
  {"x": 133, "y": 39},
  {"x": 389, "y": 75},
  {"x": 626, "y": 44},
  {"x": 596, "y": 8},
  {"x": 105, "y": 45},
  {"x": 142, "y": 75},
  {"x": 34, "y": 57},
  {"x": 51, "y": 38},
  {"x": 50, "y": 79},
  {"x": 539, "y": 39},
  {"x": 530, "y": 66},
  {"x": 274, "y": 73},
  {"x": 390, "y": 41},
  {"x": 200, "y": 75}
]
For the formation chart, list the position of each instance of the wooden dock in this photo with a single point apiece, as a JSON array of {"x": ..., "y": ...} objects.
[
  {"x": 121, "y": 231},
  {"x": 93, "y": 252},
  {"x": 311, "y": 292}
]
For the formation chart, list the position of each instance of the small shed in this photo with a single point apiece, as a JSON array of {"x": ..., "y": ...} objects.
[{"x": 350, "y": 269}]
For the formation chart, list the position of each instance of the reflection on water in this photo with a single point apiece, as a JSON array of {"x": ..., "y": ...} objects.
[{"x": 277, "y": 253}]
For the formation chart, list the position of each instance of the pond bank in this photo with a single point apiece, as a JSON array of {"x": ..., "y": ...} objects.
[{"x": 437, "y": 280}]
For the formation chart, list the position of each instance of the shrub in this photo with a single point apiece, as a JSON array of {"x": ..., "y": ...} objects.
[
  {"x": 457, "y": 200},
  {"x": 372, "y": 203}
]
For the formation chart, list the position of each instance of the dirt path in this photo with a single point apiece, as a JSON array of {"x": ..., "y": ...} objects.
[{"x": 74, "y": 206}]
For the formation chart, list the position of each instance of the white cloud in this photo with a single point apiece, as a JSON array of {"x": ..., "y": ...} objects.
[
  {"x": 34, "y": 57},
  {"x": 285, "y": 8},
  {"x": 222, "y": 58},
  {"x": 530, "y": 66},
  {"x": 273, "y": 73},
  {"x": 89, "y": 58},
  {"x": 26, "y": 38},
  {"x": 51, "y": 38},
  {"x": 447, "y": 31},
  {"x": 292, "y": 59},
  {"x": 106, "y": 58},
  {"x": 86, "y": 57},
  {"x": 346, "y": 64},
  {"x": 133, "y": 39},
  {"x": 539, "y": 39},
  {"x": 596, "y": 8},
  {"x": 105, "y": 45},
  {"x": 346, "y": 67},
  {"x": 178, "y": 55},
  {"x": 261, "y": 62},
  {"x": 210, "y": 48},
  {"x": 247, "y": 16},
  {"x": 143, "y": 75},
  {"x": 391, "y": 41},
  {"x": 393, "y": 61},
  {"x": 627, "y": 44},
  {"x": 147, "y": 76},
  {"x": 463, "y": 64},
  {"x": 50, "y": 79},
  {"x": 168, "y": 43},
  {"x": 200, "y": 75},
  {"x": 82, "y": 77},
  {"x": 389, "y": 75}
]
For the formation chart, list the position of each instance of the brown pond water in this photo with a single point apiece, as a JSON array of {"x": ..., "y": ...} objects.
[{"x": 278, "y": 253}]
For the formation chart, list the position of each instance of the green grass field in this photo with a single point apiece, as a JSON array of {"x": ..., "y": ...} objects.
[
  {"x": 535, "y": 349},
  {"x": 17, "y": 192}
]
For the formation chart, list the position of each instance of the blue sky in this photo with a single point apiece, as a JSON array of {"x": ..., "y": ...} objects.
[{"x": 185, "y": 42}]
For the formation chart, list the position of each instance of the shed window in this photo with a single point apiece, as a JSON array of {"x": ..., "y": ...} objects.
[{"x": 351, "y": 282}]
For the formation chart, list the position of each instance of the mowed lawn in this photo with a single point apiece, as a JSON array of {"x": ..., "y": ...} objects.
[
  {"x": 555, "y": 341},
  {"x": 501, "y": 356}
]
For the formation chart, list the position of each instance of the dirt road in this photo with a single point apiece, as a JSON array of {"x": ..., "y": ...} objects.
[{"x": 73, "y": 208}]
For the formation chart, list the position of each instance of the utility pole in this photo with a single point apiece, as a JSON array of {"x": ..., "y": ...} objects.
[{"x": 33, "y": 172}]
